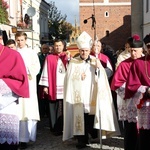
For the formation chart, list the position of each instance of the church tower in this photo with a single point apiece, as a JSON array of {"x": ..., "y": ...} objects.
[
  {"x": 75, "y": 34},
  {"x": 112, "y": 20},
  {"x": 73, "y": 38}
]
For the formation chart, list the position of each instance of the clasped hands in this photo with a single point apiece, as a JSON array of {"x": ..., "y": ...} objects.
[{"x": 45, "y": 90}]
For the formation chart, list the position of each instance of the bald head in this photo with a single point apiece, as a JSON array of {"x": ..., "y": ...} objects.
[{"x": 45, "y": 49}]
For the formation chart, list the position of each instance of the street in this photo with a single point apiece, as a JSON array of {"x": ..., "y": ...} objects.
[{"x": 47, "y": 141}]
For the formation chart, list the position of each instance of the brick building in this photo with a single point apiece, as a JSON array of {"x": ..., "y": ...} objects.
[{"x": 113, "y": 20}]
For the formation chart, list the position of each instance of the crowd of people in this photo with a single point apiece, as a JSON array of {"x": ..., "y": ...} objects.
[{"x": 80, "y": 95}]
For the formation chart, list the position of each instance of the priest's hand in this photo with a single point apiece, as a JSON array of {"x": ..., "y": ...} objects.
[
  {"x": 68, "y": 54},
  {"x": 45, "y": 90}
]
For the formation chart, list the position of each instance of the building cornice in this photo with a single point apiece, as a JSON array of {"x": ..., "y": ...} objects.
[{"x": 106, "y": 4}]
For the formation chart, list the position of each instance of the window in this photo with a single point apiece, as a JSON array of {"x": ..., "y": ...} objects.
[
  {"x": 107, "y": 33},
  {"x": 147, "y": 5},
  {"x": 106, "y": 14},
  {"x": 11, "y": 9}
]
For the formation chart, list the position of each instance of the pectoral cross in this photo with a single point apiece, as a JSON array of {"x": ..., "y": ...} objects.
[{"x": 83, "y": 76}]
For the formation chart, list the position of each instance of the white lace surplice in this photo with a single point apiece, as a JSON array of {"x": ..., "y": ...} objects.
[
  {"x": 9, "y": 121},
  {"x": 126, "y": 108},
  {"x": 144, "y": 112}
]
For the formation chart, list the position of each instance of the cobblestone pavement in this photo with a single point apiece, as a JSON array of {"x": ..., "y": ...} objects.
[{"x": 47, "y": 141}]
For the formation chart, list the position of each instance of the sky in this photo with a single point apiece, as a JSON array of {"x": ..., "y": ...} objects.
[{"x": 68, "y": 7}]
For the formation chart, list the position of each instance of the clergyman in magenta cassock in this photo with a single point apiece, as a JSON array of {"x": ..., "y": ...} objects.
[{"x": 137, "y": 86}]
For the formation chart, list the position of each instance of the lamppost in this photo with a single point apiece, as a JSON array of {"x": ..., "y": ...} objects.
[{"x": 93, "y": 26}]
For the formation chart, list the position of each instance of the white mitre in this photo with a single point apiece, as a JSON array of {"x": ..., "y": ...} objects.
[{"x": 84, "y": 41}]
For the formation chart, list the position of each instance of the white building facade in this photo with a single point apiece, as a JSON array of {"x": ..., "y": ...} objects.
[
  {"x": 146, "y": 18},
  {"x": 140, "y": 17},
  {"x": 37, "y": 29}
]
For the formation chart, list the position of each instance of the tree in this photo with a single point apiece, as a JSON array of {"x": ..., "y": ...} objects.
[
  {"x": 58, "y": 27},
  {"x": 66, "y": 30},
  {"x": 3, "y": 12}
]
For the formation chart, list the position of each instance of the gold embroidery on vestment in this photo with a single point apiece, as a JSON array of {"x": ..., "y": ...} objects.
[
  {"x": 76, "y": 74},
  {"x": 78, "y": 123},
  {"x": 78, "y": 118},
  {"x": 77, "y": 97}
]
